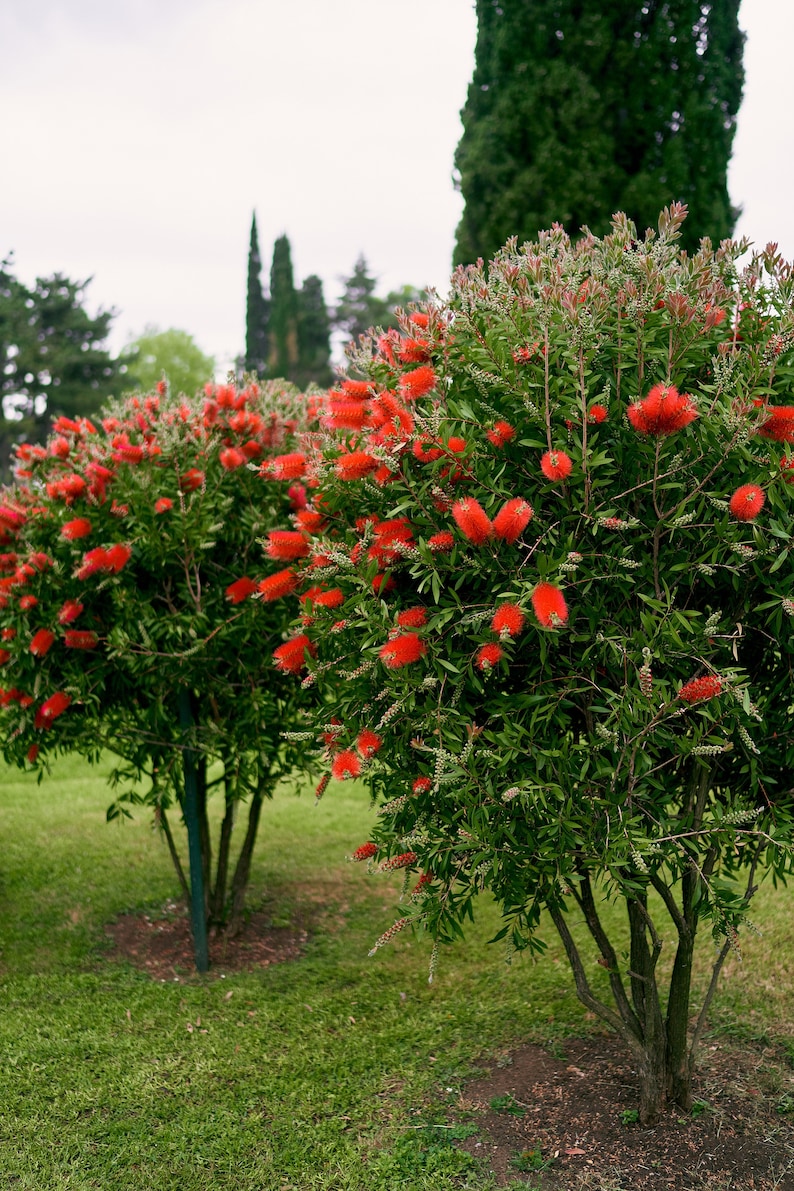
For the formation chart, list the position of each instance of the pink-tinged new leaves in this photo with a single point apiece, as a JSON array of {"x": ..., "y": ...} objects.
[
  {"x": 549, "y": 605},
  {"x": 512, "y": 519},
  {"x": 402, "y": 650},
  {"x": 747, "y": 502},
  {"x": 472, "y": 520},
  {"x": 662, "y": 412}
]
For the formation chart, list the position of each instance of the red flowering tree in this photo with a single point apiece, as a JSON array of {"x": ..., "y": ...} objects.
[
  {"x": 132, "y": 615},
  {"x": 551, "y": 608}
]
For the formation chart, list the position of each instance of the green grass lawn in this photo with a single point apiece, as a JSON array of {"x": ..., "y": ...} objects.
[{"x": 334, "y": 1071}]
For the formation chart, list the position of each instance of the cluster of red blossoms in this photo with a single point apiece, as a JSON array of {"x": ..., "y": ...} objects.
[{"x": 662, "y": 412}]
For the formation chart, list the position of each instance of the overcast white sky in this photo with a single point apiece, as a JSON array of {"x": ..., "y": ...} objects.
[{"x": 138, "y": 136}]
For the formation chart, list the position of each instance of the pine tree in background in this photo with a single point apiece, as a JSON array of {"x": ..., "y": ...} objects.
[
  {"x": 257, "y": 310},
  {"x": 314, "y": 336},
  {"x": 359, "y": 308},
  {"x": 578, "y": 110},
  {"x": 282, "y": 360}
]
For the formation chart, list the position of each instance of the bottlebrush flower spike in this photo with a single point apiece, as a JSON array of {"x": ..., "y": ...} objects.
[
  {"x": 780, "y": 425},
  {"x": 27, "y": 602},
  {"x": 441, "y": 543},
  {"x": 662, "y": 412},
  {"x": 417, "y": 383},
  {"x": 597, "y": 413},
  {"x": 488, "y": 657},
  {"x": 69, "y": 611},
  {"x": 404, "y": 860},
  {"x": 241, "y": 589},
  {"x": 117, "y": 557},
  {"x": 556, "y": 465},
  {"x": 322, "y": 597},
  {"x": 42, "y": 642},
  {"x": 368, "y": 743},
  {"x": 80, "y": 527},
  {"x": 355, "y": 466},
  {"x": 232, "y": 458},
  {"x": 346, "y": 764},
  {"x": 287, "y": 467},
  {"x": 365, "y": 851},
  {"x": 51, "y": 708},
  {"x": 472, "y": 520},
  {"x": 549, "y": 605},
  {"x": 80, "y": 639},
  {"x": 512, "y": 519},
  {"x": 421, "y": 785},
  {"x": 163, "y": 504},
  {"x": 192, "y": 480},
  {"x": 291, "y": 656},
  {"x": 747, "y": 502},
  {"x": 501, "y": 434},
  {"x": 699, "y": 689},
  {"x": 508, "y": 620},
  {"x": 402, "y": 650},
  {"x": 412, "y": 618},
  {"x": 282, "y": 583},
  {"x": 287, "y": 544}
]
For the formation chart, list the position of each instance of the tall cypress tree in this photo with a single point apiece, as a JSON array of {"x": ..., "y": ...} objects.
[
  {"x": 257, "y": 310},
  {"x": 314, "y": 335},
  {"x": 578, "y": 109},
  {"x": 282, "y": 358}
]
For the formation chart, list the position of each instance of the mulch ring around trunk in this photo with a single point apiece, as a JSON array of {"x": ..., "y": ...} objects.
[
  {"x": 162, "y": 946},
  {"x": 570, "y": 1123}
]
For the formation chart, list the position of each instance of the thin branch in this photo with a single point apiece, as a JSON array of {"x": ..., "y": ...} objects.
[
  {"x": 667, "y": 897},
  {"x": 180, "y": 872},
  {"x": 586, "y": 901}
]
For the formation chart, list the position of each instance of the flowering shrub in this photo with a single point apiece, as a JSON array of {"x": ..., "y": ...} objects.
[
  {"x": 131, "y": 573},
  {"x": 564, "y": 557}
]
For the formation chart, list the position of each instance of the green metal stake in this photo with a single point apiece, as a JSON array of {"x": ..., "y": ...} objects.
[{"x": 198, "y": 916}]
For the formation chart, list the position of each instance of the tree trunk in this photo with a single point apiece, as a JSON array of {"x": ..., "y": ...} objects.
[
  {"x": 218, "y": 906},
  {"x": 204, "y": 828}
]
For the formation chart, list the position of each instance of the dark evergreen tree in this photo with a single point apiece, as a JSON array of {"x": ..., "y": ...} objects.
[
  {"x": 359, "y": 308},
  {"x": 257, "y": 310},
  {"x": 579, "y": 109},
  {"x": 314, "y": 336},
  {"x": 282, "y": 358}
]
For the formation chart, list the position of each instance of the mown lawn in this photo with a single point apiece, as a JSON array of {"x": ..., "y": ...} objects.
[{"x": 332, "y": 1072}]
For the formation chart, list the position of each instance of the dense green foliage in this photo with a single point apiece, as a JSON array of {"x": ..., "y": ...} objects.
[
  {"x": 257, "y": 310},
  {"x": 556, "y": 574},
  {"x": 282, "y": 358},
  {"x": 172, "y": 353},
  {"x": 578, "y": 110},
  {"x": 131, "y": 564},
  {"x": 53, "y": 358},
  {"x": 314, "y": 336}
]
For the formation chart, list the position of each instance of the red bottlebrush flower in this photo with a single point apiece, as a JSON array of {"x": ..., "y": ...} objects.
[
  {"x": 381, "y": 584},
  {"x": 345, "y": 764},
  {"x": 441, "y": 543},
  {"x": 5, "y": 656},
  {"x": 382, "y": 475},
  {"x": 346, "y": 415},
  {"x": 549, "y": 604},
  {"x": 163, "y": 504},
  {"x": 456, "y": 445},
  {"x": 556, "y": 465},
  {"x": 288, "y": 467},
  {"x": 8, "y": 634},
  {"x": 662, "y": 412},
  {"x": 405, "y": 860},
  {"x": 282, "y": 583},
  {"x": 93, "y": 561},
  {"x": 27, "y": 602},
  {"x": 502, "y": 433},
  {"x": 286, "y": 544},
  {"x": 39, "y": 560},
  {"x": 117, "y": 557},
  {"x": 241, "y": 589},
  {"x": 413, "y": 351},
  {"x": 412, "y": 618},
  {"x": 297, "y": 497},
  {"x": 119, "y": 510},
  {"x": 508, "y": 619},
  {"x": 423, "y": 453},
  {"x": 472, "y": 520},
  {"x": 355, "y": 466},
  {"x": 192, "y": 479},
  {"x": 387, "y": 534},
  {"x": 69, "y": 611},
  {"x": 402, "y": 650},
  {"x": 42, "y": 642},
  {"x": 80, "y": 527},
  {"x": 512, "y": 519},
  {"x": 59, "y": 448},
  {"x": 522, "y": 355},
  {"x": 310, "y": 520},
  {"x": 33, "y": 753},
  {"x": 420, "y": 318},
  {"x": 360, "y": 389},
  {"x": 488, "y": 657},
  {"x": 699, "y": 689},
  {"x": 417, "y": 383},
  {"x": 368, "y": 743},
  {"x": 365, "y": 852},
  {"x": 11, "y": 517},
  {"x": 780, "y": 425},
  {"x": 51, "y": 708},
  {"x": 232, "y": 457},
  {"x": 747, "y": 502},
  {"x": 597, "y": 414},
  {"x": 291, "y": 656},
  {"x": 126, "y": 452},
  {"x": 421, "y": 785},
  {"x": 80, "y": 639}
]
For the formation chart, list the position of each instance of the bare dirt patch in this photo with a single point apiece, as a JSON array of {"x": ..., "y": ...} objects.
[
  {"x": 576, "y": 1112},
  {"x": 162, "y": 944}
]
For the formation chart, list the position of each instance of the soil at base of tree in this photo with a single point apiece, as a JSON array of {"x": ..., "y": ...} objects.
[
  {"x": 574, "y": 1110},
  {"x": 578, "y": 1113}
]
